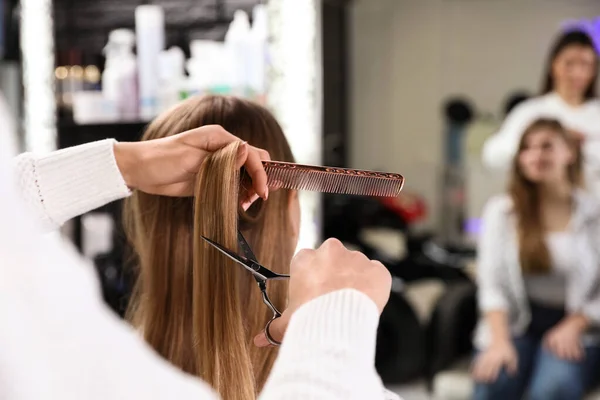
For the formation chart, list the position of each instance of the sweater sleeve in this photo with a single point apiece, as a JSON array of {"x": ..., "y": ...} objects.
[
  {"x": 63, "y": 184},
  {"x": 329, "y": 352},
  {"x": 491, "y": 273},
  {"x": 500, "y": 149}
]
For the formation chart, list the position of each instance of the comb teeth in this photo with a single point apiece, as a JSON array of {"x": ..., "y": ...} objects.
[{"x": 332, "y": 180}]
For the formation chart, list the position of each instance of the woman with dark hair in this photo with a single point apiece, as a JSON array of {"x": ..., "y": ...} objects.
[
  {"x": 568, "y": 95},
  {"x": 538, "y": 274}
]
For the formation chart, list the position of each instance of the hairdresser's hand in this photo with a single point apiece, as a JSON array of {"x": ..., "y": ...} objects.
[
  {"x": 332, "y": 267},
  {"x": 168, "y": 166},
  {"x": 564, "y": 340}
]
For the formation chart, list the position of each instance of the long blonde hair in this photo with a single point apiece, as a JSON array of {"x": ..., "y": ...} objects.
[
  {"x": 533, "y": 252},
  {"x": 197, "y": 308}
]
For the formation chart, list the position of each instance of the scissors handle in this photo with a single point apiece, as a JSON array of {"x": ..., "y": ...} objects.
[
  {"x": 270, "y": 338},
  {"x": 276, "y": 314}
]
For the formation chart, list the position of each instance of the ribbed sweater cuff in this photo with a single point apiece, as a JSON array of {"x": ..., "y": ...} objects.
[
  {"x": 345, "y": 320},
  {"x": 79, "y": 179}
]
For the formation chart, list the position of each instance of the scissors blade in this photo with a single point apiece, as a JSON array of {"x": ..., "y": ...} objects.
[
  {"x": 259, "y": 272},
  {"x": 235, "y": 257}
]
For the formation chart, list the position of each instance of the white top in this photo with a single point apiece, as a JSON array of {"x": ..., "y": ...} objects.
[
  {"x": 499, "y": 276},
  {"x": 551, "y": 289},
  {"x": 499, "y": 150},
  {"x": 59, "y": 341}
]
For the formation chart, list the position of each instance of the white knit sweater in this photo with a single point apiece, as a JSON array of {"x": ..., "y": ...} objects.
[{"x": 59, "y": 341}]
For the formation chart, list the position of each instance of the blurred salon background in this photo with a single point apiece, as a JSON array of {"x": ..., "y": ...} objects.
[{"x": 405, "y": 86}]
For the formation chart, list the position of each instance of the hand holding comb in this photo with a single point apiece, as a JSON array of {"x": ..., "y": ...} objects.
[{"x": 332, "y": 179}]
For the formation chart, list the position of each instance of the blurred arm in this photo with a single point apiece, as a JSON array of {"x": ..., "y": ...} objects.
[
  {"x": 63, "y": 184},
  {"x": 500, "y": 149},
  {"x": 491, "y": 273}
]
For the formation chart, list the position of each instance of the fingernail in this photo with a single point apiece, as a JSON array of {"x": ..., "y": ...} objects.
[
  {"x": 267, "y": 193},
  {"x": 246, "y": 205}
]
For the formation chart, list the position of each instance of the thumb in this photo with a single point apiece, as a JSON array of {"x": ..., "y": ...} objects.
[
  {"x": 276, "y": 330},
  {"x": 260, "y": 340}
]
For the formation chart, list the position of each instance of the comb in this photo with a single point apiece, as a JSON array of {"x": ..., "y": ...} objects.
[{"x": 332, "y": 180}]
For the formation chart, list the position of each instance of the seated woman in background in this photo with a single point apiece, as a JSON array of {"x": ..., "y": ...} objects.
[
  {"x": 538, "y": 275},
  {"x": 197, "y": 308}
]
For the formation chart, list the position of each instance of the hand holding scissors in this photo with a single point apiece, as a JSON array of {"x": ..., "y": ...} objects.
[
  {"x": 314, "y": 273},
  {"x": 261, "y": 275}
]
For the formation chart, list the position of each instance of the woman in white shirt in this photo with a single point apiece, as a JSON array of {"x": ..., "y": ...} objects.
[
  {"x": 568, "y": 95},
  {"x": 538, "y": 276}
]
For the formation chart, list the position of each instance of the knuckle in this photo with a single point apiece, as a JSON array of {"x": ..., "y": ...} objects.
[
  {"x": 264, "y": 154},
  {"x": 332, "y": 243}
]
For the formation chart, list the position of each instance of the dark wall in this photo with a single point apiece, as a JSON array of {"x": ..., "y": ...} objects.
[{"x": 335, "y": 126}]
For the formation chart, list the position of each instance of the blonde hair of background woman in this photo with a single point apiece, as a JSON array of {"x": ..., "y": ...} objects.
[{"x": 197, "y": 308}]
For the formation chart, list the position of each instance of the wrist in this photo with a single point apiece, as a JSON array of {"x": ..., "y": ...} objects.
[
  {"x": 579, "y": 321},
  {"x": 126, "y": 158}
]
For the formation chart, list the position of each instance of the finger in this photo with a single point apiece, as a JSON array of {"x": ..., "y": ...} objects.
[
  {"x": 494, "y": 372},
  {"x": 579, "y": 352},
  {"x": 247, "y": 202},
  {"x": 242, "y": 155},
  {"x": 264, "y": 155},
  {"x": 260, "y": 340},
  {"x": 486, "y": 372},
  {"x": 208, "y": 137},
  {"x": 573, "y": 352},
  {"x": 256, "y": 170},
  {"x": 560, "y": 351},
  {"x": 512, "y": 366},
  {"x": 476, "y": 370},
  {"x": 481, "y": 372},
  {"x": 278, "y": 327}
]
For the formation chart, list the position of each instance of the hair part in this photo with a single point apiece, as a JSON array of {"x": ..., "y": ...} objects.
[
  {"x": 533, "y": 252},
  {"x": 572, "y": 38}
]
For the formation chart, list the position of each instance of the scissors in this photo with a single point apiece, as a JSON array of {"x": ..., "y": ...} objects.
[{"x": 261, "y": 275}]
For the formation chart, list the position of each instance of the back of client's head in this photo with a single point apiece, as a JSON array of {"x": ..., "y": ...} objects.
[{"x": 196, "y": 307}]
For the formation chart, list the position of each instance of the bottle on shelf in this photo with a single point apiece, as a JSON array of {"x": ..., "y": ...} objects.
[
  {"x": 172, "y": 77},
  {"x": 150, "y": 42},
  {"x": 258, "y": 63},
  {"x": 119, "y": 79},
  {"x": 238, "y": 47}
]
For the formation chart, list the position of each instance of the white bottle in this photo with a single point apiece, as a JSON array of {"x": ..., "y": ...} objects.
[
  {"x": 172, "y": 75},
  {"x": 119, "y": 79},
  {"x": 209, "y": 68},
  {"x": 237, "y": 44},
  {"x": 150, "y": 34},
  {"x": 258, "y": 54}
]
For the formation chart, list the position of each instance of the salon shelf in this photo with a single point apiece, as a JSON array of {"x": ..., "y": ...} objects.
[{"x": 72, "y": 134}]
